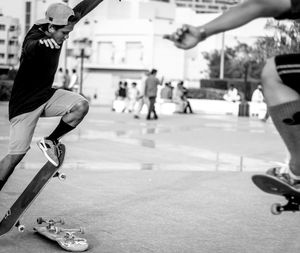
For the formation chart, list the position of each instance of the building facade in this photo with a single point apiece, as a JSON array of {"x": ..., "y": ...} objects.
[
  {"x": 9, "y": 42},
  {"x": 121, "y": 40},
  {"x": 207, "y": 6}
]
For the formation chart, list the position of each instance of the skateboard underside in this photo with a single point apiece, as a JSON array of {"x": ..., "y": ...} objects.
[
  {"x": 275, "y": 186},
  {"x": 68, "y": 241},
  {"x": 272, "y": 185},
  {"x": 15, "y": 213}
]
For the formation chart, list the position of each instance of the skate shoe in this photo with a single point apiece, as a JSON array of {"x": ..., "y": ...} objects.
[
  {"x": 284, "y": 174},
  {"x": 50, "y": 150}
]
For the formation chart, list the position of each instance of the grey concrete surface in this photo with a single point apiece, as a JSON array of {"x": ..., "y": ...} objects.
[{"x": 179, "y": 184}]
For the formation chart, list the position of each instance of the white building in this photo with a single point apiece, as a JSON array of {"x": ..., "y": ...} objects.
[
  {"x": 9, "y": 44},
  {"x": 207, "y": 6},
  {"x": 125, "y": 39}
]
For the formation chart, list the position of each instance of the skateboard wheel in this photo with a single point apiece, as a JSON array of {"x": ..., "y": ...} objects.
[
  {"x": 21, "y": 228},
  {"x": 40, "y": 220},
  {"x": 276, "y": 209},
  {"x": 62, "y": 176}
]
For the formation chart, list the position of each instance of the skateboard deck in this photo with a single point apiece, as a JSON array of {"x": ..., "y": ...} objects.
[
  {"x": 17, "y": 210},
  {"x": 66, "y": 238},
  {"x": 273, "y": 185}
]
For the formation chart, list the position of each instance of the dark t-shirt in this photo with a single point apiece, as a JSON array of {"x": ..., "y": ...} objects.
[
  {"x": 38, "y": 64},
  {"x": 32, "y": 85}
]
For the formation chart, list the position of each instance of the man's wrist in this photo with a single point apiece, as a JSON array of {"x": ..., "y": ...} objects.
[{"x": 202, "y": 33}]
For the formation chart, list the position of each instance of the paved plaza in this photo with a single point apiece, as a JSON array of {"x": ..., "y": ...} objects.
[{"x": 179, "y": 184}]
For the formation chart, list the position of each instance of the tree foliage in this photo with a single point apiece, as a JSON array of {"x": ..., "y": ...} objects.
[{"x": 244, "y": 61}]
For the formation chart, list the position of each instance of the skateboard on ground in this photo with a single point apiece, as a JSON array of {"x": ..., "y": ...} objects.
[
  {"x": 65, "y": 237},
  {"x": 14, "y": 214},
  {"x": 273, "y": 185}
]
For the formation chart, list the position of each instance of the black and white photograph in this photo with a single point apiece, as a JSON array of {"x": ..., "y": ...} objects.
[{"x": 149, "y": 126}]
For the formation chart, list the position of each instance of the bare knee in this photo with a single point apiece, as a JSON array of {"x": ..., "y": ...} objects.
[
  {"x": 81, "y": 109},
  {"x": 269, "y": 75}
]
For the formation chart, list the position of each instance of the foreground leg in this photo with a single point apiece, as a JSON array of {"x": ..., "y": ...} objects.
[
  {"x": 59, "y": 105},
  {"x": 283, "y": 100},
  {"x": 7, "y": 167}
]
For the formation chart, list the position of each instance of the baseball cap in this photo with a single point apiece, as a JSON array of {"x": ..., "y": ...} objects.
[{"x": 56, "y": 14}]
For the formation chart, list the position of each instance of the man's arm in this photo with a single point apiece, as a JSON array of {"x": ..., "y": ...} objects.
[
  {"x": 84, "y": 7},
  {"x": 189, "y": 36},
  {"x": 245, "y": 12}
]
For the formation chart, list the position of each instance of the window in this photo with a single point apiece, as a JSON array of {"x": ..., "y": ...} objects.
[
  {"x": 12, "y": 28},
  {"x": 105, "y": 53},
  {"x": 12, "y": 42},
  {"x": 134, "y": 52},
  {"x": 2, "y": 27}
]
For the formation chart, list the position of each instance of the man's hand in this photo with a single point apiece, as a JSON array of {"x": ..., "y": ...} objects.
[
  {"x": 49, "y": 43},
  {"x": 185, "y": 37}
]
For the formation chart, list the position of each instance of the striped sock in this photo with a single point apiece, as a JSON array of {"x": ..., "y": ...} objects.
[{"x": 286, "y": 118}]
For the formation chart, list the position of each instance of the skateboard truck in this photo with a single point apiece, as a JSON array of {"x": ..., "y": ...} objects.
[
  {"x": 273, "y": 185},
  {"x": 50, "y": 222},
  {"x": 292, "y": 205},
  {"x": 61, "y": 176}
]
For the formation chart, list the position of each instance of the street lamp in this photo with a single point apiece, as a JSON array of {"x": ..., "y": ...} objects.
[
  {"x": 83, "y": 52},
  {"x": 66, "y": 44}
]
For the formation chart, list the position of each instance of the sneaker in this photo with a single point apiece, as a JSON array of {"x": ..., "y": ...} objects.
[
  {"x": 284, "y": 174},
  {"x": 50, "y": 150}
]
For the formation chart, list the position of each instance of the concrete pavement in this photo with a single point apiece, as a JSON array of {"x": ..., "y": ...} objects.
[{"x": 179, "y": 184}]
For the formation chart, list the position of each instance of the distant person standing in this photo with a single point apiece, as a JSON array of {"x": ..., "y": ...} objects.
[
  {"x": 166, "y": 92},
  {"x": 232, "y": 94},
  {"x": 133, "y": 95},
  {"x": 151, "y": 92},
  {"x": 257, "y": 96},
  {"x": 74, "y": 82},
  {"x": 59, "y": 79},
  {"x": 188, "y": 106},
  {"x": 142, "y": 100},
  {"x": 66, "y": 80}
]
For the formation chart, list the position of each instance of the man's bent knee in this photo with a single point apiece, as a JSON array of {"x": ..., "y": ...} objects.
[{"x": 81, "y": 108}]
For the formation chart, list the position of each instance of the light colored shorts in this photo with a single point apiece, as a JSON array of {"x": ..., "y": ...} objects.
[{"x": 22, "y": 126}]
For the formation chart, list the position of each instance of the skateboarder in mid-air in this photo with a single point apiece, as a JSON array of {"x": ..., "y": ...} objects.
[
  {"x": 32, "y": 96},
  {"x": 280, "y": 76}
]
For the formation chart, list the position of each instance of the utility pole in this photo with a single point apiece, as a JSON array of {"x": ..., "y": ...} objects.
[
  {"x": 66, "y": 45},
  {"x": 222, "y": 61}
]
